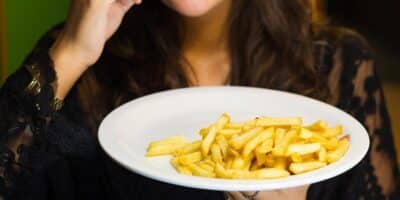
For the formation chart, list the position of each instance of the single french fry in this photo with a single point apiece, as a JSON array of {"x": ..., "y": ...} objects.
[
  {"x": 339, "y": 152},
  {"x": 260, "y": 158},
  {"x": 255, "y": 166},
  {"x": 189, "y": 148},
  {"x": 322, "y": 155},
  {"x": 208, "y": 161},
  {"x": 184, "y": 170},
  {"x": 239, "y": 141},
  {"x": 309, "y": 157},
  {"x": 163, "y": 149},
  {"x": 234, "y": 125},
  {"x": 233, "y": 152},
  {"x": 229, "y": 163},
  {"x": 181, "y": 169},
  {"x": 238, "y": 163},
  {"x": 269, "y": 173},
  {"x": 328, "y": 144},
  {"x": 279, "y": 121},
  {"x": 248, "y": 161},
  {"x": 221, "y": 172},
  {"x": 266, "y": 146},
  {"x": 266, "y": 173},
  {"x": 333, "y": 143},
  {"x": 205, "y": 166},
  {"x": 342, "y": 137},
  {"x": 302, "y": 149},
  {"x": 166, "y": 146},
  {"x": 257, "y": 140},
  {"x": 247, "y": 125},
  {"x": 174, "y": 161},
  {"x": 228, "y": 133},
  {"x": 280, "y": 148},
  {"x": 262, "y": 150},
  {"x": 296, "y": 158},
  {"x": 320, "y": 126},
  {"x": 247, "y": 164},
  {"x": 316, "y": 137},
  {"x": 241, "y": 174},
  {"x": 198, "y": 171},
  {"x": 203, "y": 132},
  {"x": 216, "y": 154},
  {"x": 279, "y": 135},
  {"x": 222, "y": 121},
  {"x": 170, "y": 140},
  {"x": 223, "y": 145},
  {"x": 305, "y": 133},
  {"x": 269, "y": 160},
  {"x": 281, "y": 163},
  {"x": 208, "y": 140},
  {"x": 298, "y": 168},
  {"x": 190, "y": 158},
  {"x": 332, "y": 132}
]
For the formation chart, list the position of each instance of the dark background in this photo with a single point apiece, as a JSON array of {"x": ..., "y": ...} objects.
[{"x": 379, "y": 22}]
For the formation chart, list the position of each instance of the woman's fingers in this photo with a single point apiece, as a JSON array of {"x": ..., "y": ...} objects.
[{"x": 126, "y": 4}]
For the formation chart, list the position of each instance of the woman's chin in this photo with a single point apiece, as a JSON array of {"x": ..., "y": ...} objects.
[{"x": 192, "y": 8}]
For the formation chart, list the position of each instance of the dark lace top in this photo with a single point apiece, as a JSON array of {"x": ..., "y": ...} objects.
[{"x": 49, "y": 154}]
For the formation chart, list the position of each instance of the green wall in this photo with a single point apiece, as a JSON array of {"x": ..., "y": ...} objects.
[{"x": 26, "y": 21}]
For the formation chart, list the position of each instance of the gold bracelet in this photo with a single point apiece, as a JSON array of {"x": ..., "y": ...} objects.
[
  {"x": 57, "y": 104},
  {"x": 34, "y": 86}
]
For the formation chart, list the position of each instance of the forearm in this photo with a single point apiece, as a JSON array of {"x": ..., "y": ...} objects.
[{"x": 67, "y": 65}]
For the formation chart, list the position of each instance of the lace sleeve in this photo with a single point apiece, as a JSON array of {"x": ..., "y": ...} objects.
[
  {"x": 26, "y": 106},
  {"x": 356, "y": 88},
  {"x": 362, "y": 96}
]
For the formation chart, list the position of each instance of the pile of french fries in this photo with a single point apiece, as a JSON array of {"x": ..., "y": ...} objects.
[{"x": 262, "y": 148}]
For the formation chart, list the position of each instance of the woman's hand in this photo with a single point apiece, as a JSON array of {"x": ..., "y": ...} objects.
[
  {"x": 298, "y": 193},
  {"x": 89, "y": 25}
]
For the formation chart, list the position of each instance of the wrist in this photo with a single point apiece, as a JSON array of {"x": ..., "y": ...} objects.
[
  {"x": 69, "y": 65},
  {"x": 65, "y": 55}
]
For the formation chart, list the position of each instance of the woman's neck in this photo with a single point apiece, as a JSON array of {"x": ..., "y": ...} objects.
[
  {"x": 205, "y": 46},
  {"x": 208, "y": 32}
]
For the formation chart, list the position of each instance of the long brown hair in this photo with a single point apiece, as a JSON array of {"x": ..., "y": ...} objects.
[{"x": 270, "y": 46}]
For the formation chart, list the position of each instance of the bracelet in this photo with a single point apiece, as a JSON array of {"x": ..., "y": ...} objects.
[
  {"x": 57, "y": 104},
  {"x": 34, "y": 87}
]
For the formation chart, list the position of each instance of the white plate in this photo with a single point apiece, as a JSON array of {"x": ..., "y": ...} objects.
[{"x": 125, "y": 133}]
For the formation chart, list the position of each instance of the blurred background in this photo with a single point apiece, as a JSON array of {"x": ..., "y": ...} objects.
[{"x": 21, "y": 24}]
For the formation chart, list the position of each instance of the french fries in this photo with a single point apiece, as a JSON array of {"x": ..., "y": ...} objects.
[{"x": 262, "y": 148}]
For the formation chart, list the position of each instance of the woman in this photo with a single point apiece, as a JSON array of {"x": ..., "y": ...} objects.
[{"x": 96, "y": 62}]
